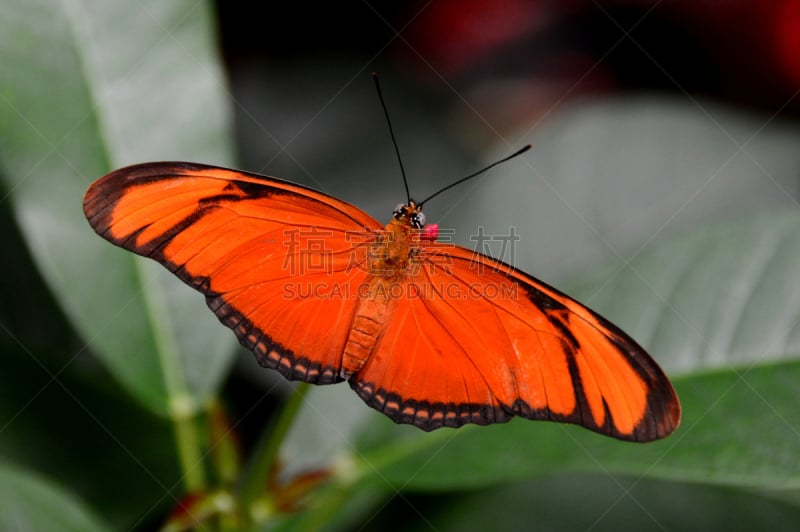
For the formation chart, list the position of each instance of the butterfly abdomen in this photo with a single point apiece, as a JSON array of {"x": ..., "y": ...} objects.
[{"x": 373, "y": 310}]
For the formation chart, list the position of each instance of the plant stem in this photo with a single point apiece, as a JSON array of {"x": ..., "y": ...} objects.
[
  {"x": 182, "y": 405},
  {"x": 267, "y": 451},
  {"x": 188, "y": 443}
]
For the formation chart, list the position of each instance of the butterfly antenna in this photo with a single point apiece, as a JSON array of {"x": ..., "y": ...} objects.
[
  {"x": 391, "y": 132},
  {"x": 479, "y": 172}
]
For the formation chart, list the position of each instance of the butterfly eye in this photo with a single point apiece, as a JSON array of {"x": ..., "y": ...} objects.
[
  {"x": 418, "y": 220},
  {"x": 398, "y": 210}
]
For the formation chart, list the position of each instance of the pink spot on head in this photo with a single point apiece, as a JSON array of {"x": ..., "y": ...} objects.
[{"x": 430, "y": 232}]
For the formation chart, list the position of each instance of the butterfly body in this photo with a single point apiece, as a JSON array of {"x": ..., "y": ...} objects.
[
  {"x": 390, "y": 257},
  {"x": 428, "y": 333},
  {"x": 372, "y": 312},
  {"x": 392, "y": 252}
]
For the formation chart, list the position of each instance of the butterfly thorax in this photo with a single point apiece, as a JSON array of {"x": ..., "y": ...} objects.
[{"x": 391, "y": 253}]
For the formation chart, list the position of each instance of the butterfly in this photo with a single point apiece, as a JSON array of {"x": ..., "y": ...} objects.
[{"x": 428, "y": 333}]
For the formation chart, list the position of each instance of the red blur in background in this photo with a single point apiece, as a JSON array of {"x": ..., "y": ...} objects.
[{"x": 743, "y": 51}]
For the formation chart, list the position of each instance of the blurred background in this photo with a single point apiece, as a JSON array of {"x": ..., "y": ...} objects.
[
  {"x": 648, "y": 120},
  {"x": 659, "y": 115}
]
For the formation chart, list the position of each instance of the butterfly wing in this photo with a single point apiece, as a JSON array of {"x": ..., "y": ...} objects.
[
  {"x": 274, "y": 259},
  {"x": 483, "y": 342}
]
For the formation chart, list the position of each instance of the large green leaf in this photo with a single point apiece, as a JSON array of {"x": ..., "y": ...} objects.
[
  {"x": 724, "y": 295},
  {"x": 31, "y": 503},
  {"x": 583, "y": 502},
  {"x": 85, "y": 86},
  {"x": 739, "y": 425},
  {"x": 738, "y": 429}
]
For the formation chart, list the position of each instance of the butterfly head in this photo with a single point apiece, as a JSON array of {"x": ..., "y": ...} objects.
[{"x": 411, "y": 214}]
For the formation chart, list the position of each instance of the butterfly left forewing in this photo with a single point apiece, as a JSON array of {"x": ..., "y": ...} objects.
[{"x": 254, "y": 246}]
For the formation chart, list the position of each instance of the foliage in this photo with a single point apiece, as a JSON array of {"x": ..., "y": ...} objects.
[{"x": 113, "y": 407}]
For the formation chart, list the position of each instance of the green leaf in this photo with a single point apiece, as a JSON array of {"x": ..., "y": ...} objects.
[
  {"x": 29, "y": 502},
  {"x": 738, "y": 429},
  {"x": 723, "y": 295},
  {"x": 86, "y": 86},
  {"x": 102, "y": 435},
  {"x": 607, "y": 502},
  {"x": 739, "y": 424}
]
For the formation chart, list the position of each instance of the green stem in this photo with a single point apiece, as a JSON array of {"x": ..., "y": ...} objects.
[
  {"x": 182, "y": 405},
  {"x": 189, "y": 445},
  {"x": 267, "y": 451}
]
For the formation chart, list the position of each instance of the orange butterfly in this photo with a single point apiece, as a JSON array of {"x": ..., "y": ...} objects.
[{"x": 429, "y": 333}]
